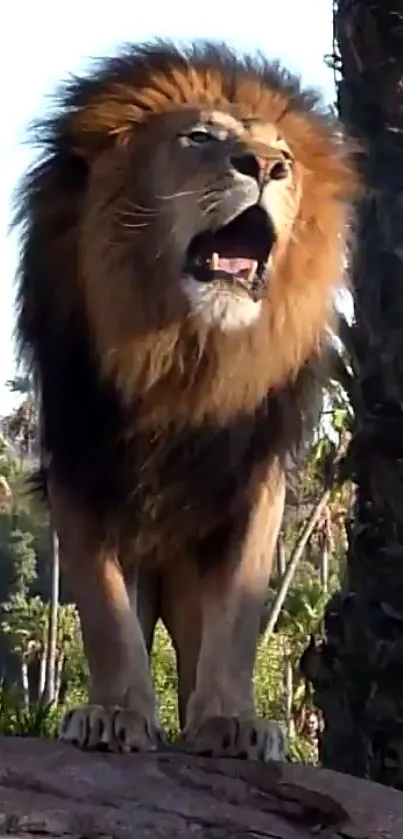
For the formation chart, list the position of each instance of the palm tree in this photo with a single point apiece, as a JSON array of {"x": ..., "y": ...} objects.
[
  {"x": 357, "y": 670},
  {"x": 23, "y": 428},
  {"x": 50, "y": 687},
  {"x": 5, "y": 493}
]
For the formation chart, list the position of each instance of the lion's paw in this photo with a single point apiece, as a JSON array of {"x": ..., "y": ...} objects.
[
  {"x": 244, "y": 738},
  {"x": 113, "y": 729}
]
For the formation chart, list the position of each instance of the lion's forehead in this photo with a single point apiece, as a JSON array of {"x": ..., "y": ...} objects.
[
  {"x": 224, "y": 120},
  {"x": 258, "y": 130}
]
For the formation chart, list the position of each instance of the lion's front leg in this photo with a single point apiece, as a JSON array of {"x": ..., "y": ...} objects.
[
  {"x": 121, "y": 714},
  {"x": 221, "y": 718}
]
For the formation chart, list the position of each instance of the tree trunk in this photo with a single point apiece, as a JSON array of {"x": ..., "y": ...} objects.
[
  {"x": 297, "y": 553},
  {"x": 51, "y": 660},
  {"x": 357, "y": 669},
  {"x": 42, "y": 674},
  {"x": 288, "y": 695},
  {"x": 281, "y": 562},
  {"x": 324, "y": 565},
  {"x": 58, "y": 676},
  {"x": 25, "y": 683}
]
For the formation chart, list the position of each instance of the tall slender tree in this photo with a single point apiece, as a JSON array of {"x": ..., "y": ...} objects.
[
  {"x": 357, "y": 670},
  {"x": 23, "y": 427},
  {"x": 50, "y": 687}
]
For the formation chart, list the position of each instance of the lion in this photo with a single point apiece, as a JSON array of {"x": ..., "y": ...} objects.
[{"x": 181, "y": 242}]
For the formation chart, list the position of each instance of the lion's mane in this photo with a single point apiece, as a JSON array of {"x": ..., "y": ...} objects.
[{"x": 123, "y": 418}]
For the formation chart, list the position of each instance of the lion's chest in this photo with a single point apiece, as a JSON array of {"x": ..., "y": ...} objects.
[
  {"x": 183, "y": 488},
  {"x": 163, "y": 491}
]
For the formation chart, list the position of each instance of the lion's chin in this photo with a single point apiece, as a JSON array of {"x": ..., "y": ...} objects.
[{"x": 219, "y": 306}]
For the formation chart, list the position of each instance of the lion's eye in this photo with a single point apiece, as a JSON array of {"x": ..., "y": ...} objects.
[
  {"x": 198, "y": 136},
  {"x": 287, "y": 155},
  {"x": 201, "y": 135}
]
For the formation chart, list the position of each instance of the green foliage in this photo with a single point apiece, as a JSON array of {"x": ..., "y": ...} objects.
[
  {"x": 23, "y": 559},
  {"x": 10, "y": 468},
  {"x": 36, "y": 721},
  {"x": 270, "y": 692},
  {"x": 163, "y": 669},
  {"x": 69, "y": 642},
  {"x": 303, "y": 608},
  {"x": 24, "y": 620}
]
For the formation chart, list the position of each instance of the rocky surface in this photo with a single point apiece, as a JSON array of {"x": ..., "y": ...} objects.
[{"x": 51, "y": 790}]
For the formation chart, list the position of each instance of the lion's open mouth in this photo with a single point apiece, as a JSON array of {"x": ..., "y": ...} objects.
[{"x": 236, "y": 254}]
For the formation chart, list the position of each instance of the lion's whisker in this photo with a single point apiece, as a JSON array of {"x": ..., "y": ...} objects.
[
  {"x": 134, "y": 208},
  {"x": 181, "y": 194},
  {"x": 136, "y": 226}
]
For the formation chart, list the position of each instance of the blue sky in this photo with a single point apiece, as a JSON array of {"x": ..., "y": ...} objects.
[{"x": 42, "y": 42}]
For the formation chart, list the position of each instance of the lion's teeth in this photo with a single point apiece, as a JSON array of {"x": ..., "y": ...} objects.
[
  {"x": 215, "y": 261},
  {"x": 253, "y": 269}
]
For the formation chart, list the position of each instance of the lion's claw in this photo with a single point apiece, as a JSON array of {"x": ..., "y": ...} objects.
[
  {"x": 244, "y": 738},
  {"x": 113, "y": 729}
]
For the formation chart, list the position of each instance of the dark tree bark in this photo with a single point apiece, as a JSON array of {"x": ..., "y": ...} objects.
[{"x": 357, "y": 670}]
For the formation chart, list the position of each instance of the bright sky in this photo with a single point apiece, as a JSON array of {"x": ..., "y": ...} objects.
[{"x": 43, "y": 42}]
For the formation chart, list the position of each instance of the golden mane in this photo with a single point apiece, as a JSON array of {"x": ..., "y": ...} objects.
[{"x": 95, "y": 120}]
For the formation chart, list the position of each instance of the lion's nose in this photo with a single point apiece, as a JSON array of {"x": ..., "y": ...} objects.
[{"x": 262, "y": 169}]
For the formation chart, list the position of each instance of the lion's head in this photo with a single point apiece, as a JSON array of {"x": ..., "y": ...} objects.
[
  {"x": 201, "y": 204},
  {"x": 191, "y": 204}
]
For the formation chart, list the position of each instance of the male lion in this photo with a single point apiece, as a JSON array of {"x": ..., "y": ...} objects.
[{"x": 181, "y": 242}]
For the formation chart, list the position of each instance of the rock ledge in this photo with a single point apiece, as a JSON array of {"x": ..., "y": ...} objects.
[{"x": 50, "y": 790}]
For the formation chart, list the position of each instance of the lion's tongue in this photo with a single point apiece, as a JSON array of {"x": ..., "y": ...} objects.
[{"x": 238, "y": 266}]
